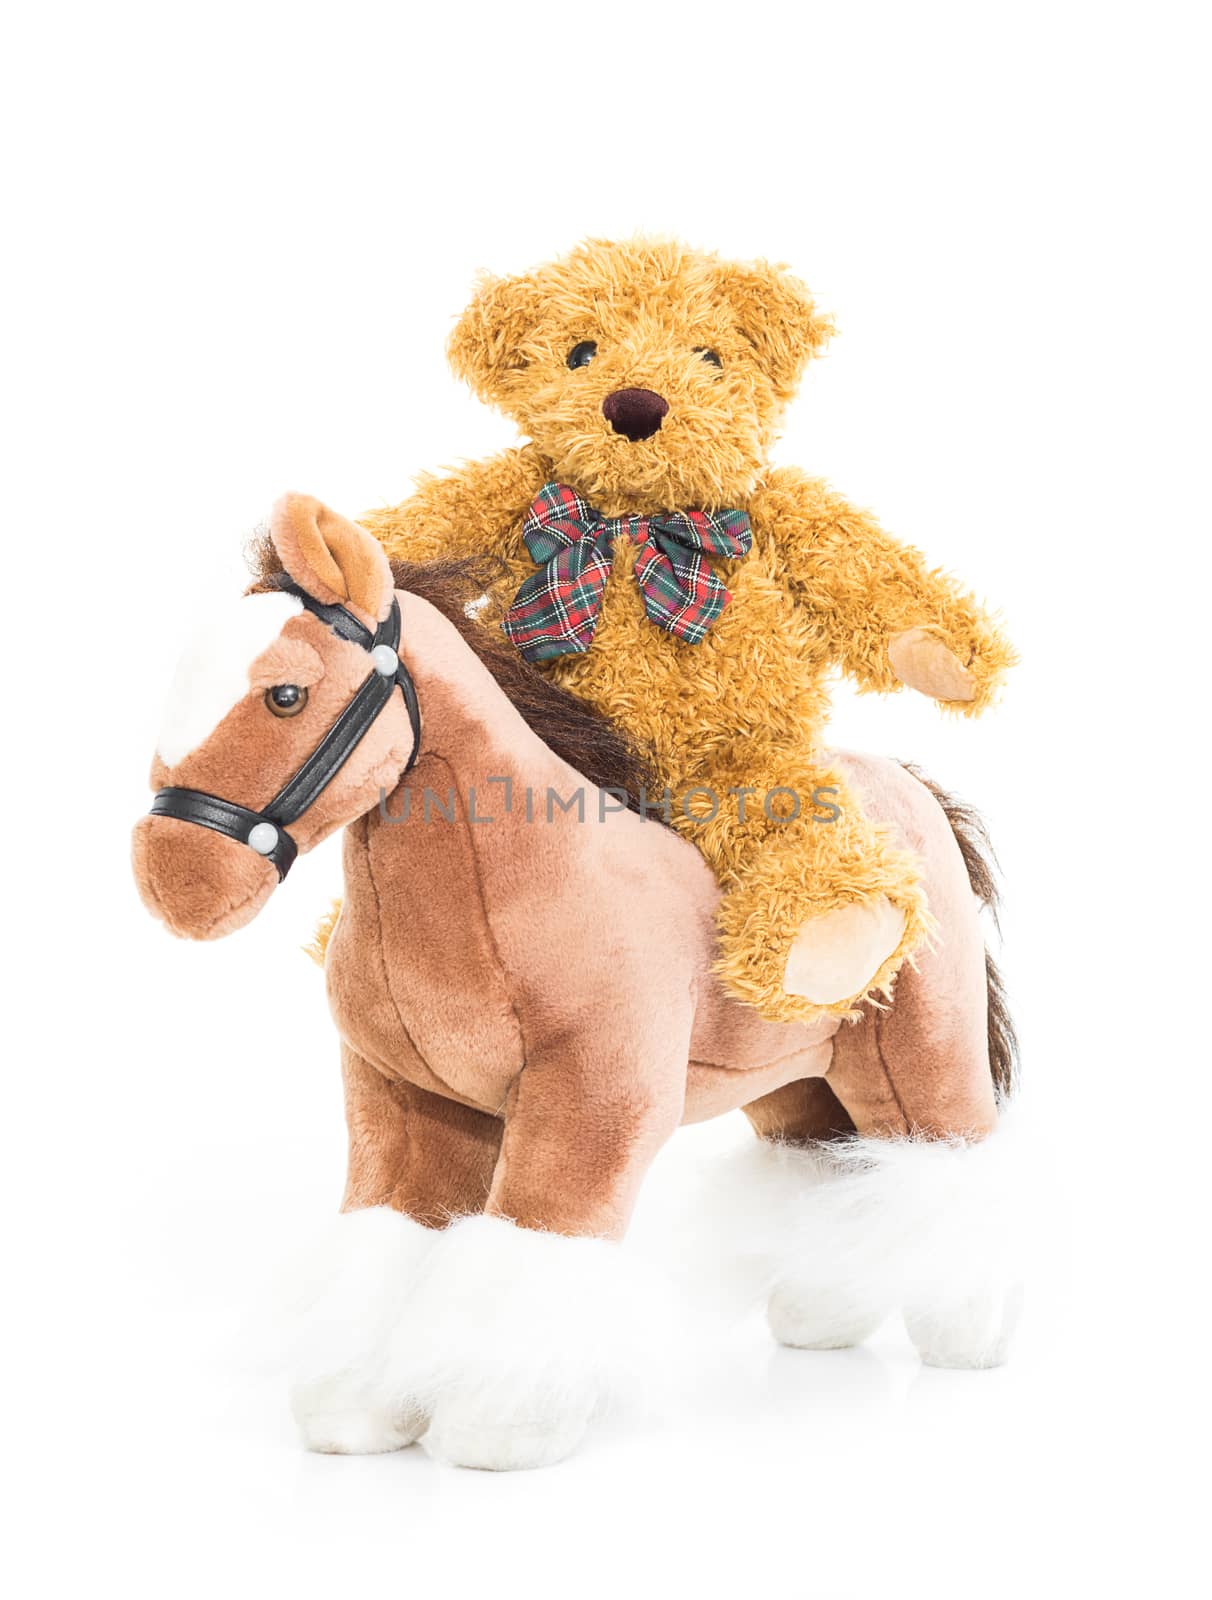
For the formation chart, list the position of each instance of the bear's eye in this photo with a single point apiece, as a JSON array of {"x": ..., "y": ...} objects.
[
  {"x": 708, "y": 355},
  {"x": 285, "y": 699},
  {"x": 582, "y": 354}
]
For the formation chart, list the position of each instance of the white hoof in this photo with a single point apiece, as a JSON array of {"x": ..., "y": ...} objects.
[
  {"x": 497, "y": 1344},
  {"x": 517, "y": 1338},
  {"x": 464, "y": 1434},
  {"x": 353, "y": 1431},
  {"x": 808, "y": 1320},
  {"x": 830, "y": 1234},
  {"x": 835, "y": 956},
  {"x": 344, "y": 1398},
  {"x": 972, "y": 1333}
]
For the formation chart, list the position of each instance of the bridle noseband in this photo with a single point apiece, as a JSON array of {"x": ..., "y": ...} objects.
[{"x": 265, "y": 831}]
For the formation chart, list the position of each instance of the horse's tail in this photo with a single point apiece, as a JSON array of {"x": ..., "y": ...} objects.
[{"x": 976, "y": 847}]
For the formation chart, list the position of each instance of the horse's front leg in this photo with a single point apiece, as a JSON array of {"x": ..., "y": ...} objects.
[
  {"x": 415, "y": 1161},
  {"x": 541, "y": 1312}
]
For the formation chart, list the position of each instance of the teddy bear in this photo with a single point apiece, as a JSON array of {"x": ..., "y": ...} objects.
[{"x": 653, "y": 561}]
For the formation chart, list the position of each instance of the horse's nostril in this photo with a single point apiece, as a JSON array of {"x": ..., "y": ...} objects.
[{"x": 635, "y": 413}]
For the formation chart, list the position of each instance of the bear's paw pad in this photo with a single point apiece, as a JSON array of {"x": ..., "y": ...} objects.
[{"x": 835, "y": 956}]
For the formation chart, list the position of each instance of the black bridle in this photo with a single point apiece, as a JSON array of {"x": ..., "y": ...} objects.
[{"x": 265, "y": 831}]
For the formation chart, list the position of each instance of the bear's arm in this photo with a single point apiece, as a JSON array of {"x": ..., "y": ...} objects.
[
  {"x": 868, "y": 593},
  {"x": 476, "y": 509}
]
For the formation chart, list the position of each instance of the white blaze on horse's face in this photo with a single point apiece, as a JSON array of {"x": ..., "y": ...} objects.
[{"x": 212, "y": 675}]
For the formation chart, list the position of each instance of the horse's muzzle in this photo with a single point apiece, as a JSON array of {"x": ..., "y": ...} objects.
[{"x": 199, "y": 883}]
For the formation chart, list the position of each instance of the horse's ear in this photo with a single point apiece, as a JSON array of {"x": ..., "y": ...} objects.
[{"x": 334, "y": 560}]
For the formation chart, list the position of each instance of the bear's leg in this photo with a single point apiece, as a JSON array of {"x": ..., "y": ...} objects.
[
  {"x": 821, "y": 902},
  {"x": 415, "y": 1161}
]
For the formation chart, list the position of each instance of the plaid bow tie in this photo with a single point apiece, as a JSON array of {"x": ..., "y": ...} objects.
[{"x": 555, "y": 613}]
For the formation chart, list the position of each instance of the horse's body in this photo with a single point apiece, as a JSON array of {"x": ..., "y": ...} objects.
[
  {"x": 522, "y": 981},
  {"x": 539, "y": 964}
]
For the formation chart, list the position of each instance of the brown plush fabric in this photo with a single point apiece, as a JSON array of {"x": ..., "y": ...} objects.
[
  {"x": 421, "y": 1153},
  {"x": 806, "y": 1112},
  {"x": 328, "y": 555},
  {"x": 578, "y": 734},
  {"x": 200, "y": 885},
  {"x": 923, "y": 1066},
  {"x": 975, "y": 846},
  {"x": 527, "y": 995},
  {"x": 583, "y": 954},
  {"x": 204, "y": 885}
]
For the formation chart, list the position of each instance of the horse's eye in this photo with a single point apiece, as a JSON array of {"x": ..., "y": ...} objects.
[
  {"x": 709, "y": 355},
  {"x": 582, "y": 354},
  {"x": 285, "y": 699}
]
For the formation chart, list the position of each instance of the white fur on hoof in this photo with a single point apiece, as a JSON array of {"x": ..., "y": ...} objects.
[
  {"x": 517, "y": 1338},
  {"x": 830, "y": 1235},
  {"x": 464, "y": 1434},
  {"x": 344, "y": 1397},
  {"x": 971, "y": 1333},
  {"x": 367, "y": 1431},
  {"x": 815, "y": 1319},
  {"x": 835, "y": 956}
]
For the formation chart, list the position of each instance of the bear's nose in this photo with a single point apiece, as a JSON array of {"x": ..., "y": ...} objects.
[{"x": 635, "y": 413}]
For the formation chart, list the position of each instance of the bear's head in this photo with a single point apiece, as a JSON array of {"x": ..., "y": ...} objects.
[{"x": 651, "y": 376}]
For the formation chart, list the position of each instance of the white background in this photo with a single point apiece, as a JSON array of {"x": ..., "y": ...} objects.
[{"x": 236, "y": 238}]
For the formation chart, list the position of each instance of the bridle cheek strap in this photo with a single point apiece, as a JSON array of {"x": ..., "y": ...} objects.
[{"x": 265, "y": 831}]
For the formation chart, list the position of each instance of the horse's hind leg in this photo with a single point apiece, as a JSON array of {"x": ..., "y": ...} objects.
[
  {"x": 915, "y": 1213},
  {"x": 931, "y": 1172},
  {"x": 811, "y": 1305},
  {"x": 920, "y": 1068},
  {"x": 918, "y": 1082},
  {"x": 415, "y": 1161}
]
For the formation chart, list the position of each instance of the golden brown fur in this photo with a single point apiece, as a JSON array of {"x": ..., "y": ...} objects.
[{"x": 824, "y": 586}]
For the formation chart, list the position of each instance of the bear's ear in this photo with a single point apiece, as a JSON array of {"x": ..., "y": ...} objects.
[
  {"x": 777, "y": 315},
  {"x": 486, "y": 347}
]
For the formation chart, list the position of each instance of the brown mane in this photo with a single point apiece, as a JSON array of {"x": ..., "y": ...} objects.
[{"x": 588, "y": 741}]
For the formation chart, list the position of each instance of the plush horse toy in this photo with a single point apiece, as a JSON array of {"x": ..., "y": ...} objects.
[{"x": 522, "y": 979}]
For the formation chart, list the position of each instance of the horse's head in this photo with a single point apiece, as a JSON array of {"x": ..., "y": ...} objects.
[{"x": 282, "y": 724}]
